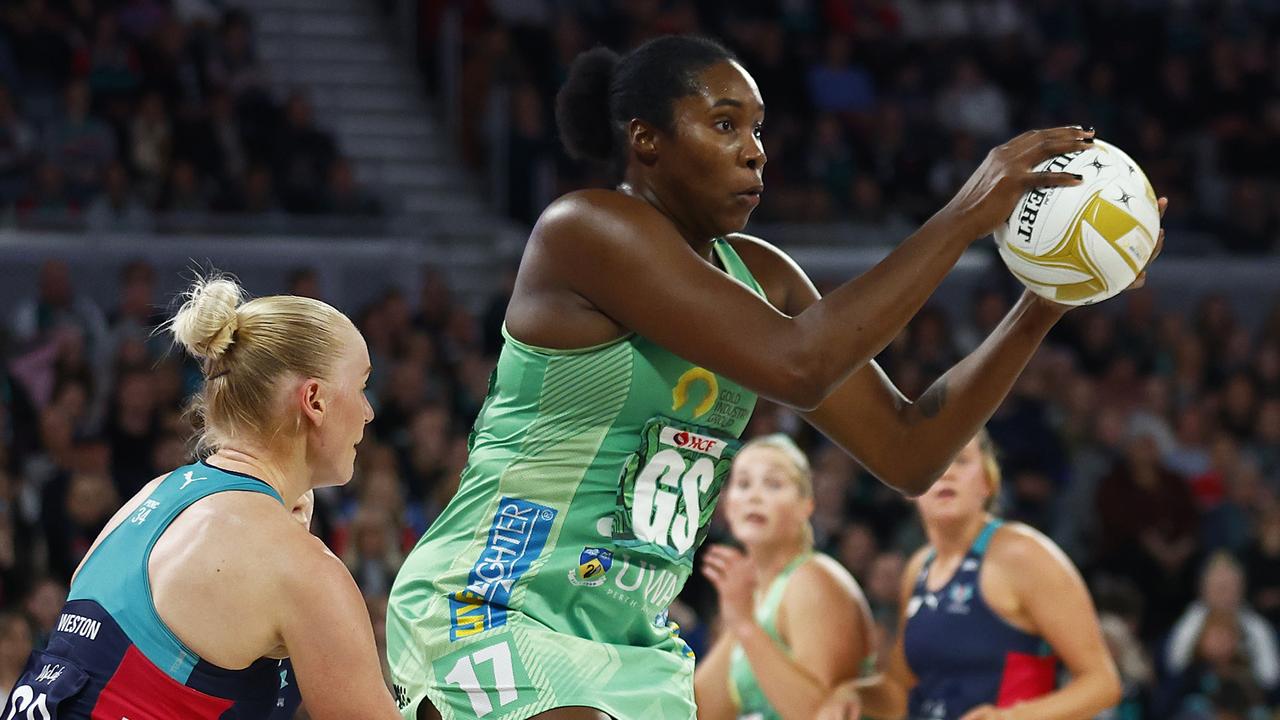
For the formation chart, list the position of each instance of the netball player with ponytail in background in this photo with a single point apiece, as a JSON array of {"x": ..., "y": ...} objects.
[
  {"x": 793, "y": 623},
  {"x": 188, "y": 603},
  {"x": 989, "y": 609},
  {"x": 641, "y": 328}
]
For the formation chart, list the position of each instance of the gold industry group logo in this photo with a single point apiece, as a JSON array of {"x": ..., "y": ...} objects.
[{"x": 680, "y": 393}]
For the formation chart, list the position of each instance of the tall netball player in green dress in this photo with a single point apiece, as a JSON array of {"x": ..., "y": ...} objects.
[{"x": 640, "y": 332}]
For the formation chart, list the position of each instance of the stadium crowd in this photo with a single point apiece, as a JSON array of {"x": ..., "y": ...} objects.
[
  {"x": 141, "y": 114},
  {"x": 1146, "y": 443},
  {"x": 878, "y": 109}
]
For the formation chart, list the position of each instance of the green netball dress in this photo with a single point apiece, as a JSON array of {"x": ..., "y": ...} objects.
[
  {"x": 545, "y": 583},
  {"x": 744, "y": 688}
]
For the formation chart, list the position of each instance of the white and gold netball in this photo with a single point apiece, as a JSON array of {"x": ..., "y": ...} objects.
[{"x": 1083, "y": 244}]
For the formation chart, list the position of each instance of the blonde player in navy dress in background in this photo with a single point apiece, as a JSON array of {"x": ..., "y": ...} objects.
[{"x": 988, "y": 610}]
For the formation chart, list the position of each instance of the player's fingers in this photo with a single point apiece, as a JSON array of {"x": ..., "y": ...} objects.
[
  {"x": 1139, "y": 281},
  {"x": 1064, "y": 132},
  {"x": 724, "y": 553},
  {"x": 1043, "y": 139},
  {"x": 1050, "y": 179},
  {"x": 714, "y": 563},
  {"x": 712, "y": 574},
  {"x": 1162, "y": 204},
  {"x": 832, "y": 711},
  {"x": 1047, "y": 147},
  {"x": 715, "y": 552}
]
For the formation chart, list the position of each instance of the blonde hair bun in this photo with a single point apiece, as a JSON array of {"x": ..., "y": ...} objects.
[{"x": 208, "y": 319}]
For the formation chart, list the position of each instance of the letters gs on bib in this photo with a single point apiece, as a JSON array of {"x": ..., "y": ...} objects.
[{"x": 668, "y": 489}]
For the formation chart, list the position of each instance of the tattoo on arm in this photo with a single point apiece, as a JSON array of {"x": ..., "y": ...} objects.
[{"x": 931, "y": 402}]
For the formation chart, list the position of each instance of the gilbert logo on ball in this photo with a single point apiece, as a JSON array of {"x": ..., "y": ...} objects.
[{"x": 1081, "y": 245}]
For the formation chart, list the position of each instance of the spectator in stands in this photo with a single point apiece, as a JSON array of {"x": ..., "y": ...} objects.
[
  {"x": 344, "y": 196},
  {"x": 17, "y": 546},
  {"x": 42, "y": 606},
  {"x": 882, "y": 587},
  {"x": 259, "y": 195},
  {"x": 175, "y": 68},
  {"x": 831, "y": 159},
  {"x": 15, "y": 646},
  {"x": 41, "y": 55},
  {"x": 17, "y": 148},
  {"x": 838, "y": 84},
  {"x": 117, "y": 209},
  {"x": 304, "y": 282},
  {"x": 1261, "y": 561},
  {"x": 184, "y": 193},
  {"x": 303, "y": 156},
  {"x": 972, "y": 104},
  {"x": 495, "y": 312},
  {"x": 1217, "y": 684},
  {"x": 857, "y": 550},
  {"x": 234, "y": 63},
  {"x": 1136, "y": 673},
  {"x": 209, "y": 138},
  {"x": 48, "y": 202},
  {"x": 1233, "y": 522},
  {"x": 1148, "y": 522},
  {"x": 373, "y": 554},
  {"x": 531, "y": 149},
  {"x": 1189, "y": 455},
  {"x": 113, "y": 62},
  {"x": 425, "y": 449},
  {"x": 57, "y": 304},
  {"x": 81, "y": 144},
  {"x": 132, "y": 429},
  {"x": 137, "y": 314},
  {"x": 151, "y": 138},
  {"x": 1221, "y": 617},
  {"x": 76, "y": 506},
  {"x": 1266, "y": 442},
  {"x": 141, "y": 18}
]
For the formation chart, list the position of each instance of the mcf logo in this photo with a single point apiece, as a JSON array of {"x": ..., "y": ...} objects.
[{"x": 693, "y": 442}]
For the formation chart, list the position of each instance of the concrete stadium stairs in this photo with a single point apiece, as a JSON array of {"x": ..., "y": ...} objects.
[{"x": 368, "y": 95}]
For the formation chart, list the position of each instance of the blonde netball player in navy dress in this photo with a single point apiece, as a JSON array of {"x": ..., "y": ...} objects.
[
  {"x": 205, "y": 597},
  {"x": 989, "y": 612}
]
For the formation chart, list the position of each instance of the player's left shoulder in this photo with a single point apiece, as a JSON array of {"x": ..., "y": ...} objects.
[
  {"x": 777, "y": 273},
  {"x": 757, "y": 252},
  {"x": 1024, "y": 551},
  {"x": 822, "y": 577}
]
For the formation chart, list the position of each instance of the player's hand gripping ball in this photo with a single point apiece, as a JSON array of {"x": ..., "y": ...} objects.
[{"x": 1082, "y": 244}]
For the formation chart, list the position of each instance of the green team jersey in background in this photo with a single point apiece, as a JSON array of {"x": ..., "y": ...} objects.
[
  {"x": 545, "y": 582},
  {"x": 744, "y": 688}
]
